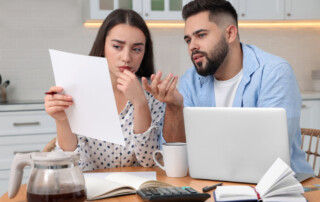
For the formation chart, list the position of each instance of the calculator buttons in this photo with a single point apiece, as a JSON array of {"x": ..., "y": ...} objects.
[{"x": 165, "y": 194}]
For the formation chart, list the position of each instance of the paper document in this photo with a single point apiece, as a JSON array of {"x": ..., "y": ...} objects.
[
  {"x": 151, "y": 175},
  {"x": 86, "y": 78}
]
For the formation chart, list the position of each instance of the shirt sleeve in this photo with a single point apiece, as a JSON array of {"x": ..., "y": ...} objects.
[
  {"x": 280, "y": 89},
  {"x": 146, "y": 143},
  {"x": 185, "y": 90},
  {"x": 82, "y": 150}
]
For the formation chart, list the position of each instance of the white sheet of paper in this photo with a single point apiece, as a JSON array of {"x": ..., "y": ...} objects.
[
  {"x": 86, "y": 78},
  {"x": 152, "y": 175}
]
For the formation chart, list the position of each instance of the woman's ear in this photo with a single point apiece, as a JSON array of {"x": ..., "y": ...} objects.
[{"x": 231, "y": 33}]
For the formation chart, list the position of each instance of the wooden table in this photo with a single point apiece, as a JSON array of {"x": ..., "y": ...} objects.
[{"x": 313, "y": 196}]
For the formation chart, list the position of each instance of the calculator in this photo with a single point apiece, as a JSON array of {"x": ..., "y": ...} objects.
[{"x": 172, "y": 194}]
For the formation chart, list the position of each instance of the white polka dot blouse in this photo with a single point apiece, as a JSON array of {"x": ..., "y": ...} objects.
[{"x": 138, "y": 149}]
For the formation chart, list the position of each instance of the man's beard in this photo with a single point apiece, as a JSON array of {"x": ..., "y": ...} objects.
[{"x": 214, "y": 60}]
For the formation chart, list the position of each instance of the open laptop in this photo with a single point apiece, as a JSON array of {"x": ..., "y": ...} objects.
[{"x": 235, "y": 144}]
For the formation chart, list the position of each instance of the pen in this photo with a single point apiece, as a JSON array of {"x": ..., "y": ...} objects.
[
  {"x": 50, "y": 93},
  {"x": 206, "y": 189}
]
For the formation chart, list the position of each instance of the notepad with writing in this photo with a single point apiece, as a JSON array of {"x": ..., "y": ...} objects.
[
  {"x": 117, "y": 184},
  {"x": 277, "y": 184}
]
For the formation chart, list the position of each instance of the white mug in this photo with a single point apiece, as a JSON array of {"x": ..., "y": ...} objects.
[{"x": 175, "y": 159}]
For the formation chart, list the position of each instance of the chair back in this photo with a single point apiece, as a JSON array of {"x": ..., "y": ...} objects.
[
  {"x": 50, "y": 146},
  {"x": 310, "y": 144}
]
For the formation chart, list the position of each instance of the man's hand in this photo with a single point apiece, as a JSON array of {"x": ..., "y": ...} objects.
[{"x": 164, "y": 90}]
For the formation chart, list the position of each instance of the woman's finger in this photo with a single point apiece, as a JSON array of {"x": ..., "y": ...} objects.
[
  {"x": 52, "y": 110},
  {"x": 57, "y": 97},
  {"x": 56, "y": 89},
  {"x": 120, "y": 87},
  {"x": 124, "y": 76},
  {"x": 121, "y": 81},
  {"x": 58, "y": 103},
  {"x": 129, "y": 74}
]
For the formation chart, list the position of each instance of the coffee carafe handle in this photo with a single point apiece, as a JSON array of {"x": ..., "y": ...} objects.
[{"x": 16, "y": 173}]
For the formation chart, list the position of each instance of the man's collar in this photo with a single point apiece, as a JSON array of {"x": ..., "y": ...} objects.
[{"x": 250, "y": 63}]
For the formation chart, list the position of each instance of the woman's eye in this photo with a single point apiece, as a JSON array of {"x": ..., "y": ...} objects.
[
  {"x": 116, "y": 46},
  {"x": 137, "y": 50}
]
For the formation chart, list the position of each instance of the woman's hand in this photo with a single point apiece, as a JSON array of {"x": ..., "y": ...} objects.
[
  {"x": 57, "y": 103},
  {"x": 130, "y": 86}
]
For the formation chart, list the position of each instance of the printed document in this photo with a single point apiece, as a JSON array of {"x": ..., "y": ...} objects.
[{"x": 86, "y": 79}]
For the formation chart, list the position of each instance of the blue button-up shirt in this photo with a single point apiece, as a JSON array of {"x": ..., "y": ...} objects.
[{"x": 268, "y": 81}]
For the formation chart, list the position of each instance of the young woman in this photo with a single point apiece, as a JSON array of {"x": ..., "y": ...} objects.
[{"x": 125, "y": 41}]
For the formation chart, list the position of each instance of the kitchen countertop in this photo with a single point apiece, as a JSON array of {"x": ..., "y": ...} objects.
[
  {"x": 310, "y": 95},
  {"x": 21, "y": 105}
]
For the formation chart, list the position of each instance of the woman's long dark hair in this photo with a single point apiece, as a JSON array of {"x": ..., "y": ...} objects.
[{"x": 129, "y": 17}]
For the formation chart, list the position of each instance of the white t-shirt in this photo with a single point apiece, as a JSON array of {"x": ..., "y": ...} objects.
[{"x": 226, "y": 90}]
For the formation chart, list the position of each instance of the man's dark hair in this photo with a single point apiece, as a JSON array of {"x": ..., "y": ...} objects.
[{"x": 215, "y": 8}]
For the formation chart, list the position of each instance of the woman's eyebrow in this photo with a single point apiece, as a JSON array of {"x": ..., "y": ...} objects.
[
  {"x": 123, "y": 42},
  {"x": 138, "y": 44},
  {"x": 118, "y": 41}
]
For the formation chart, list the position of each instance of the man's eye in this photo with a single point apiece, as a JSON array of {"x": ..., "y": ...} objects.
[
  {"x": 202, "y": 35},
  {"x": 187, "y": 41}
]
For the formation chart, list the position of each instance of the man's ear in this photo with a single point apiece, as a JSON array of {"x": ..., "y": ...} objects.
[{"x": 231, "y": 33}]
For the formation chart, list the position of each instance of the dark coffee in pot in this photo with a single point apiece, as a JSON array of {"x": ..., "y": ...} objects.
[{"x": 78, "y": 196}]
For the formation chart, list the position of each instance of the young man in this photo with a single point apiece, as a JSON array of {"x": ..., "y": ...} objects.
[{"x": 227, "y": 73}]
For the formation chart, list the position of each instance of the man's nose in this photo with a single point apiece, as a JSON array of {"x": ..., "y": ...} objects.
[{"x": 193, "y": 46}]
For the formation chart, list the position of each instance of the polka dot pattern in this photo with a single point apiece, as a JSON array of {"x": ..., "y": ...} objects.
[{"x": 138, "y": 149}]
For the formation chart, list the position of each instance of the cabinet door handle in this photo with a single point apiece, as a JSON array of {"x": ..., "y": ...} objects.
[
  {"x": 303, "y": 106},
  {"x": 27, "y": 151},
  {"x": 26, "y": 123}
]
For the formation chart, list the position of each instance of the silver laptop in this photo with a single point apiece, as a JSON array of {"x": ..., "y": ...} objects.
[{"x": 235, "y": 144}]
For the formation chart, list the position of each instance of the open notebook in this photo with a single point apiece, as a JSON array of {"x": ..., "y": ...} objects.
[
  {"x": 278, "y": 184},
  {"x": 117, "y": 184}
]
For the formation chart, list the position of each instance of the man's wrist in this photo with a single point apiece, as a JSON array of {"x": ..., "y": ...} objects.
[{"x": 174, "y": 106}]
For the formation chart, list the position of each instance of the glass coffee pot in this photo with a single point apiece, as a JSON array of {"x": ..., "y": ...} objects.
[{"x": 55, "y": 176}]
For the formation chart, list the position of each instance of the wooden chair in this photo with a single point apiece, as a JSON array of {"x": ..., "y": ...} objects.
[
  {"x": 50, "y": 146},
  {"x": 311, "y": 147}
]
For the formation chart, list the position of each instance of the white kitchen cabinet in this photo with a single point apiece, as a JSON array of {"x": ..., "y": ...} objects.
[
  {"x": 277, "y": 9},
  {"x": 23, "y": 128},
  {"x": 310, "y": 114},
  {"x": 99, "y": 9},
  {"x": 302, "y": 10},
  {"x": 163, "y": 9},
  {"x": 148, "y": 9},
  {"x": 261, "y": 9},
  {"x": 171, "y": 9}
]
